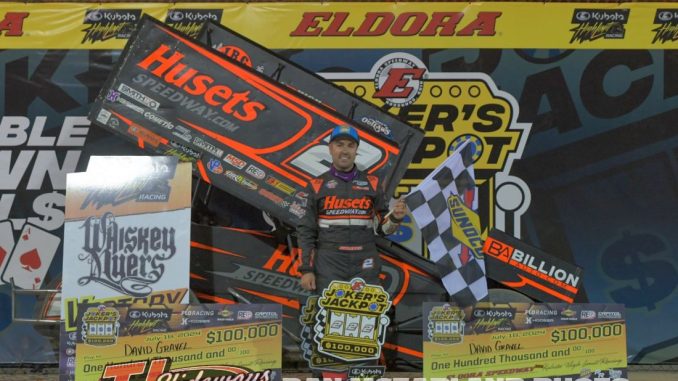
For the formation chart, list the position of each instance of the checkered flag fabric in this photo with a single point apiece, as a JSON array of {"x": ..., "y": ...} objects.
[{"x": 462, "y": 272}]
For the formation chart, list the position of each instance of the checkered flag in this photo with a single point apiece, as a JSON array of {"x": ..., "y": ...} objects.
[{"x": 451, "y": 190}]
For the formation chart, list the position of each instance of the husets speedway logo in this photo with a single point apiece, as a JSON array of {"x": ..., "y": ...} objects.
[
  {"x": 667, "y": 31},
  {"x": 167, "y": 64},
  {"x": 452, "y": 108},
  {"x": 105, "y": 24},
  {"x": 593, "y": 24}
]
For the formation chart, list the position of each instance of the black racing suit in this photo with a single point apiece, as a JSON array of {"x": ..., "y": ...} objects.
[{"x": 336, "y": 234}]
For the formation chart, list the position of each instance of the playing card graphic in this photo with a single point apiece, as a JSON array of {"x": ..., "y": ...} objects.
[
  {"x": 31, "y": 257},
  {"x": 6, "y": 244}
]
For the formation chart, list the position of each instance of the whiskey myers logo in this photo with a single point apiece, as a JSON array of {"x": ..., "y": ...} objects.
[
  {"x": 452, "y": 108},
  {"x": 351, "y": 321},
  {"x": 309, "y": 347},
  {"x": 100, "y": 326},
  {"x": 446, "y": 325},
  {"x": 127, "y": 259}
]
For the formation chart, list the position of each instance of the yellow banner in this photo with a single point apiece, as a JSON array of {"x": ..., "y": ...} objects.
[
  {"x": 355, "y": 25},
  {"x": 184, "y": 342},
  {"x": 524, "y": 341}
]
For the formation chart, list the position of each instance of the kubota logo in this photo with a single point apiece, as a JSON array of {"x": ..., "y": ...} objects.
[
  {"x": 13, "y": 24},
  {"x": 168, "y": 67},
  {"x": 344, "y": 24}
]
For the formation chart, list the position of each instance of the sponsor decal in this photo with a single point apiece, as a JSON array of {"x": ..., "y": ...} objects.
[
  {"x": 112, "y": 95},
  {"x": 331, "y": 184},
  {"x": 594, "y": 24},
  {"x": 184, "y": 153},
  {"x": 446, "y": 325},
  {"x": 399, "y": 79},
  {"x": 163, "y": 63},
  {"x": 275, "y": 183},
  {"x": 235, "y": 53},
  {"x": 126, "y": 259},
  {"x": 351, "y": 323},
  {"x": 466, "y": 226},
  {"x": 141, "y": 321},
  {"x": 130, "y": 105},
  {"x": 367, "y": 372},
  {"x": 588, "y": 314},
  {"x": 271, "y": 196},
  {"x": 12, "y": 24},
  {"x": 146, "y": 135},
  {"x": 103, "y": 116},
  {"x": 536, "y": 265},
  {"x": 100, "y": 326},
  {"x": 242, "y": 180},
  {"x": 265, "y": 315},
  {"x": 208, "y": 147},
  {"x": 355, "y": 187},
  {"x": 182, "y": 133},
  {"x": 335, "y": 202},
  {"x": 377, "y": 126},
  {"x": 139, "y": 96},
  {"x": 244, "y": 315},
  {"x": 215, "y": 166},
  {"x": 568, "y": 314},
  {"x": 609, "y": 315},
  {"x": 162, "y": 122},
  {"x": 190, "y": 21},
  {"x": 492, "y": 319},
  {"x": 667, "y": 31},
  {"x": 235, "y": 161},
  {"x": 297, "y": 209},
  {"x": 255, "y": 172},
  {"x": 105, "y": 24},
  {"x": 370, "y": 24}
]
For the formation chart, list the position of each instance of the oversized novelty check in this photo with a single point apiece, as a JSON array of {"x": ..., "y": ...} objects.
[
  {"x": 247, "y": 134},
  {"x": 180, "y": 343},
  {"x": 524, "y": 340}
]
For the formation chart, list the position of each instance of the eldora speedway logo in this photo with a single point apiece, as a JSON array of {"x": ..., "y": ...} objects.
[
  {"x": 105, "y": 24},
  {"x": 399, "y": 79},
  {"x": 667, "y": 31},
  {"x": 594, "y": 24}
]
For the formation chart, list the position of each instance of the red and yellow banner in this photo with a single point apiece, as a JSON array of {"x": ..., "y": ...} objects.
[{"x": 356, "y": 25}]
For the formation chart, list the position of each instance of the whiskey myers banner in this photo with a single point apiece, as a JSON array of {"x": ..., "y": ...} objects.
[
  {"x": 127, "y": 228},
  {"x": 573, "y": 127},
  {"x": 524, "y": 341}
]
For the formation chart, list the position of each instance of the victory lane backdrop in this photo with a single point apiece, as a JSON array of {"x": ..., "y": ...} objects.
[{"x": 595, "y": 183}]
